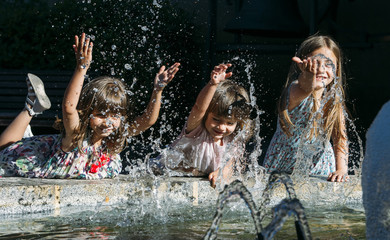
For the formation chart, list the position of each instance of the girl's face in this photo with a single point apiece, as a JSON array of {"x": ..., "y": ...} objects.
[
  {"x": 327, "y": 67},
  {"x": 219, "y": 127},
  {"x": 104, "y": 124}
]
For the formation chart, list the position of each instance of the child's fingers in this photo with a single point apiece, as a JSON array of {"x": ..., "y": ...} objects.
[
  {"x": 76, "y": 43},
  {"x": 314, "y": 66},
  {"x": 86, "y": 45},
  {"x": 346, "y": 178},
  {"x": 174, "y": 66},
  {"x": 228, "y": 75},
  {"x": 297, "y": 60},
  {"x": 162, "y": 69},
  {"x": 212, "y": 180},
  {"x": 226, "y": 66},
  {"x": 331, "y": 177},
  {"x": 89, "y": 51},
  {"x": 90, "y": 48},
  {"x": 172, "y": 74},
  {"x": 81, "y": 41}
]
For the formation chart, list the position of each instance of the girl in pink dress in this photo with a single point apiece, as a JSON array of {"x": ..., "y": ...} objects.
[{"x": 218, "y": 123}]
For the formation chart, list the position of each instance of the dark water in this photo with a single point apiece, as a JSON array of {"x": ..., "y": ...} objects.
[{"x": 187, "y": 222}]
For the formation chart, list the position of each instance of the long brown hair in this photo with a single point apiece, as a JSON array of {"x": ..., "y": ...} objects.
[
  {"x": 333, "y": 108},
  {"x": 104, "y": 94}
]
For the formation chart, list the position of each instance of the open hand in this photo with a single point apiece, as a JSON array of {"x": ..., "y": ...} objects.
[
  {"x": 307, "y": 66},
  {"x": 313, "y": 69},
  {"x": 219, "y": 74},
  {"x": 338, "y": 176},
  {"x": 163, "y": 77},
  {"x": 83, "y": 51}
]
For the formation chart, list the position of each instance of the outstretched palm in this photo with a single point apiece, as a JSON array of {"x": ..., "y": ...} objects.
[{"x": 163, "y": 77}]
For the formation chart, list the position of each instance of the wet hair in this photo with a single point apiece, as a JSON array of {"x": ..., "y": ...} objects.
[
  {"x": 333, "y": 121},
  {"x": 108, "y": 96},
  {"x": 232, "y": 101}
]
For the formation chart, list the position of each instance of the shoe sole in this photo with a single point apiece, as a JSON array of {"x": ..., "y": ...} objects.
[{"x": 39, "y": 90}]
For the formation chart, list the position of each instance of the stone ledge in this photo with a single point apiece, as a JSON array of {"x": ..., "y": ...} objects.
[{"x": 26, "y": 196}]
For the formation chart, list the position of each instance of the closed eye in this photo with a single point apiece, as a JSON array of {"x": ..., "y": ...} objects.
[{"x": 100, "y": 115}]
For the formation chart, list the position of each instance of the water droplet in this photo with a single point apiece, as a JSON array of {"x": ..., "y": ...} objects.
[
  {"x": 143, "y": 28},
  {"x": 155, "y": 3},
  {"x": 128, "y": 66}
]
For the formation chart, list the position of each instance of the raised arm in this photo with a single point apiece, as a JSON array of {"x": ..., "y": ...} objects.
[
  {"x": 206, "y": 95},
  {"x": 150, "y": 115},
  {"x": 83, "y": 53}
]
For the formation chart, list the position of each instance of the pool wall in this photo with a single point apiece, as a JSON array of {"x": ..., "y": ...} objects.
[{"x": 29, "y": 196}]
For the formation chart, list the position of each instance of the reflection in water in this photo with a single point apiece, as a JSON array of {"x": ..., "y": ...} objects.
[{"x": 281, "y": 211}]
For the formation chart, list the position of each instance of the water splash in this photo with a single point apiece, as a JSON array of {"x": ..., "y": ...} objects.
[
  {"x": 282, "y": 211},
  {"x": 235, "y": 188}
]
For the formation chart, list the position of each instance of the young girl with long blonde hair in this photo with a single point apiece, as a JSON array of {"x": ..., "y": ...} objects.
[{"x": 312, "y": 113}]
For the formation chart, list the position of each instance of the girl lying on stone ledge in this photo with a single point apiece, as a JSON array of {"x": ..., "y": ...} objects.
[{"x": 94, "y": 125}]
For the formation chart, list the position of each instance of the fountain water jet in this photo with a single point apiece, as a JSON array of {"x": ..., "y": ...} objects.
[{"x": 281, "y": 212}]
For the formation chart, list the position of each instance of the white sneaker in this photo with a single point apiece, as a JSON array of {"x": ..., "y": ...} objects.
[{"x": 36, "y": 89}]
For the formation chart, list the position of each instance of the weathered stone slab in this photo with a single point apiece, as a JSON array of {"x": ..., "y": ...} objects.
[{"x": 26, "y": 196}]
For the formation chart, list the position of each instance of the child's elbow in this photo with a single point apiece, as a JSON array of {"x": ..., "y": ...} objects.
[{"x": 68, "y": 108}]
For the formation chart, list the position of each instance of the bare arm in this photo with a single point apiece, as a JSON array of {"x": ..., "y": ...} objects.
[
  {"x": 83, "y": 52},
  {"x": 151, "y": 113},
  {"x": 305, "y": 85},
  {"x": 206, "y": 95},
  {"x": 340, "y": 148},
  {"x": 227, "y": 173}
]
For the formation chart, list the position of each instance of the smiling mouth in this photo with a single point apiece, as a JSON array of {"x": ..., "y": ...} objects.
[
  {"x": 218, "y": 132},
  {"x": 320, "y": 78},
  {"x": 106, "y": 130}
]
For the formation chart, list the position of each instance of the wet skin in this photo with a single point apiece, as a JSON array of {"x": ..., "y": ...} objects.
[
  {"x": 219, "y": 127},
  {"x": 103, "y": 124}
]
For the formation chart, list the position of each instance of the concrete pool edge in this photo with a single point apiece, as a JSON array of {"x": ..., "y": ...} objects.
[{"x": 28, "y": 196}]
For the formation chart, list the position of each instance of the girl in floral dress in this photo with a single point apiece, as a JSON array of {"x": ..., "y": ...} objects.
[
  {"x": 94, "y": 125},
  {"x": 311, "y": 112}
]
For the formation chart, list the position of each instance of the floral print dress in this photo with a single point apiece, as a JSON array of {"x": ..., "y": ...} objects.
[
  {"x": 42, "y": 157},
  {"x": 286, "y": 153}
]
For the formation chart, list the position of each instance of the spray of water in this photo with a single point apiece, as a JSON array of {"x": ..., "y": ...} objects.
[{"x": 281, "y": 212}]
